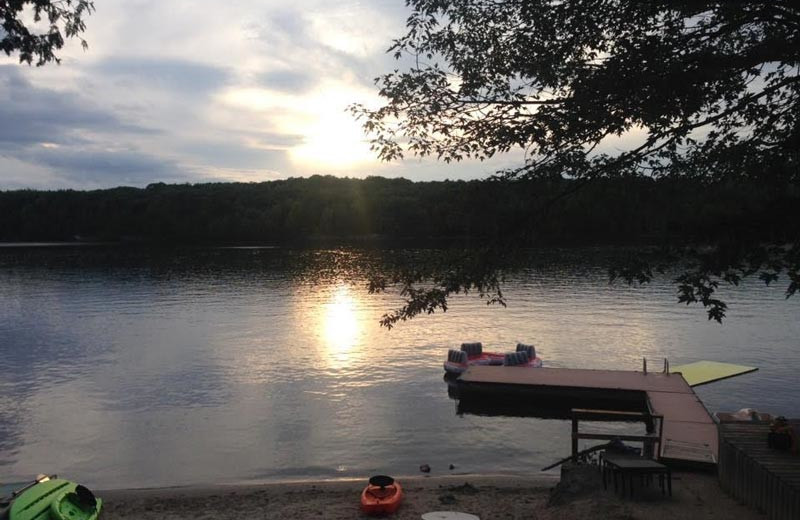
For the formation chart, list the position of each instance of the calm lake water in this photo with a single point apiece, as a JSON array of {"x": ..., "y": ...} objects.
[{"x": 127, "y": 368}]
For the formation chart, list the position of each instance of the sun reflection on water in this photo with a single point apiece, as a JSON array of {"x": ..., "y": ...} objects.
[{"x": 341, "y": 325}]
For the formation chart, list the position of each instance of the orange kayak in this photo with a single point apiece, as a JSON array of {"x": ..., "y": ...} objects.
[{"x": 381, "y": 496}]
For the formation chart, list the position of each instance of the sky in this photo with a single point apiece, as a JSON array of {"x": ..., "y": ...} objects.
[{"x": 195, "y": 91}]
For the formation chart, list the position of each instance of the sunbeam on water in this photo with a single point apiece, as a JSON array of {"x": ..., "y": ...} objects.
[{"x": 341, "y": 324}]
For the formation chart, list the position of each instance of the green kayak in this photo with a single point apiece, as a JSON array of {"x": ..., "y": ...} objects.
[{"x": 53, "y": 499}]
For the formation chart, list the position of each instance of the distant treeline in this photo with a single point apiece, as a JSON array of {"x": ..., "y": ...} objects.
[{"x": 553, "y": 211}]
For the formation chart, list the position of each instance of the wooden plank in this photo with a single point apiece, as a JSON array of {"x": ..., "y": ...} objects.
[
  {"x": 677, "y": 450},
  {"x": 696, "y": 442},
  {"x": 722, "y": 464},
  {"x": 680, "y": 407},
  {"x": 608, "y": 415},
  {"x": 610, "y": 436}
]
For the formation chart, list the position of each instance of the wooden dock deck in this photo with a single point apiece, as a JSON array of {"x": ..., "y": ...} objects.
[
  {"x": 751, "y": 472},
  {"x": 690, "y": 433}
]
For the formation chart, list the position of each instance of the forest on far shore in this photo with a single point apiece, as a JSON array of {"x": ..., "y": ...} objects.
[{"x": 553, "y": 211}]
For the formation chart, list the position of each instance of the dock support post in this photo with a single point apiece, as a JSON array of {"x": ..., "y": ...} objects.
[
  {"x": 648, "y": 447},
  {"x": 574, "y": 439}
]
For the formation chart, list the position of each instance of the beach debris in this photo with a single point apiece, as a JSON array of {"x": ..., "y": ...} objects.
[
  {"x": 746, "y": 414},
  {"x": 448, "y": 515},
  {"x": 447, "y": 500},
  {"x": 425, "y": 468}
]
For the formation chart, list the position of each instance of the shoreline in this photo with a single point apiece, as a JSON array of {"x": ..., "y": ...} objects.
[
  {"x": 546, "y": 480},
  {"x": 695, "y": 495}
]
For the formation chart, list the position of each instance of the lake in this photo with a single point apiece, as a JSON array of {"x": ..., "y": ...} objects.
[{"x": 134, "y": 367}]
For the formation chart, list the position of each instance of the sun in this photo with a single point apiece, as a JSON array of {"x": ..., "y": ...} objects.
[
  {"x": 333, "y": 139},
  {"x": 330, "y": 139},
  {"x": 333, "y": 142}
]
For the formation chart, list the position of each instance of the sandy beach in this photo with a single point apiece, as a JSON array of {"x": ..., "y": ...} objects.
[{"x": 695, "y": 495}]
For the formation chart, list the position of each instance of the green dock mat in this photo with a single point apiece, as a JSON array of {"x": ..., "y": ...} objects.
[{"x": 702, "y": 372}]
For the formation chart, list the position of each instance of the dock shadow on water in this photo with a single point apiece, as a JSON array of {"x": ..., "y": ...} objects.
[{"x": 541, "y": 403}]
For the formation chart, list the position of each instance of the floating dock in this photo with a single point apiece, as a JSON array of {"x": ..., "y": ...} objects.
[
  {"x": 689, "y": 431},
  {"x": 704, "y": 372}
]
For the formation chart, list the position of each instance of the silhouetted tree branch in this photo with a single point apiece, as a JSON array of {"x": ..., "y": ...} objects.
[
  {"x": 50, "y": 24},
  {"x": 701, "y": 90}
]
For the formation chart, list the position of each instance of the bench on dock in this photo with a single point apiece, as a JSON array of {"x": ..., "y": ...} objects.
[{"x": 649, "y": 440}]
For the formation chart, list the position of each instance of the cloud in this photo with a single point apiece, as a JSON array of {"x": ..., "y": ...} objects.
[
  {"x": 287, "y": 81},
  {"x": 226, "y": 154},
  {"x": 106, "y": 168},
  {"x": 65, "y": 134},
  {"x": 94, "y": 164},
  {"x": 341, "y": 42},
  {"x": 18, "y": 174},
  {"x": 183, "y": 76},
  {"x": 31, "y": 115}
]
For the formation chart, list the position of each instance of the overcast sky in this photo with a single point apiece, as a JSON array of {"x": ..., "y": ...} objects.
[{"x": 199, "y": 90}]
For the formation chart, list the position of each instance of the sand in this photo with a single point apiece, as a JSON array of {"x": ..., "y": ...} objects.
[{"x": 695, "y": 495}]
